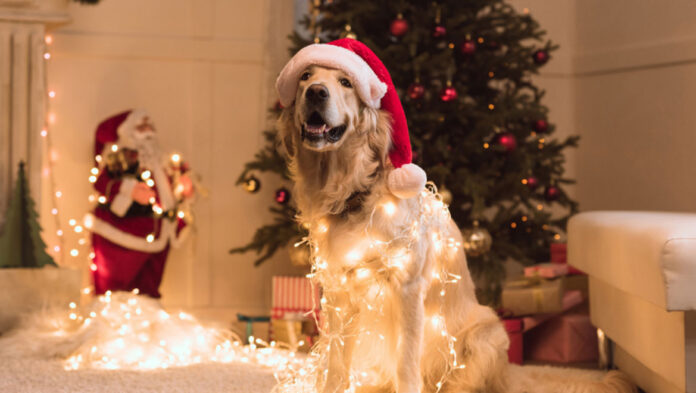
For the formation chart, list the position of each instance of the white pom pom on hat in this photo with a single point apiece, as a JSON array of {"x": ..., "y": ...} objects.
[{"x": 374, "y": 85}]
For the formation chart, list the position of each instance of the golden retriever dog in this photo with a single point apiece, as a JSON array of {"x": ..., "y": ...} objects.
[
  {"x": 384, "y": 314},
  {"x": 399, "y": 309}
]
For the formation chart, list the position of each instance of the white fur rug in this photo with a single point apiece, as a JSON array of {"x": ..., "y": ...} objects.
[
  {"x": 127, "y": 343},
  {"x": 41, "y": 375}
]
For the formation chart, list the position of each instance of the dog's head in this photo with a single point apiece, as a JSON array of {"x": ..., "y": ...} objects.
[{"x": 328, "y": 111}]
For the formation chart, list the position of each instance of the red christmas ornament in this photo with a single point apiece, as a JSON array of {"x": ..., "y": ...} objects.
[
  {"x": 508, "y": 141},
  {"x": 439, "y": 31},
  {"x": 541, "y": 56},
  {"x": 399, "y": 26},
  {"x": 552, "y": 193},
  {"x": 532, "y": 183},
  {"x": 541, "y": 125},
  {"x": 416, "y": 91},
  {"x": 468, "y": 47},
  {"x": 282, "y": 196},
  {"x": 448, "y": 94}
]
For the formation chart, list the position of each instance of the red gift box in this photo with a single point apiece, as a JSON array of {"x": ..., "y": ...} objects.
[
  {"x": 568, "y": 338},
  {"x": 513, "y": 326},
  {"x": 559, "y": 252}
]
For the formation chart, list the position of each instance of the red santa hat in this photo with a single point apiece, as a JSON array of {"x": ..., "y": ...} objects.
[
  {"x": 375, "y": 88},
  {"x": 115, "y": 131}
]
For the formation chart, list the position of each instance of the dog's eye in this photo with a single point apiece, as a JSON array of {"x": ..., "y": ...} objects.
[
  {"x": 345, "y": 82},
  {"x": 305, "y": 76}
]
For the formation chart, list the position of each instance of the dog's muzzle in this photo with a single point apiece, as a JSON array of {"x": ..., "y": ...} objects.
[{"x": 316, "y": 130}]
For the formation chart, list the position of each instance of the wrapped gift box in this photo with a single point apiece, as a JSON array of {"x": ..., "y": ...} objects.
[
  {"x": 568, "y": 338},
  {"x": 295, "y": 308},
  {"x": 514, "y": 326},
  {"x": 559, "y": 252},
  {"x": 546, "y": 270},
  {"x": 532, "y": 296}
]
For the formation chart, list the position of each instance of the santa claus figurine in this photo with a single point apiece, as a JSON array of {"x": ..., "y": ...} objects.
[{"x": 142, "y": 206}]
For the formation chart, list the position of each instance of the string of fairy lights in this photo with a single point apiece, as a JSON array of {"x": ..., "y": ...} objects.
[
  {"x": 371, "y": 265},
  {"x": 61, "y": 250}
]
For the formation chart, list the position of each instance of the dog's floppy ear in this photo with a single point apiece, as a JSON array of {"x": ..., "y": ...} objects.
[{"x": 286, "y": 131}]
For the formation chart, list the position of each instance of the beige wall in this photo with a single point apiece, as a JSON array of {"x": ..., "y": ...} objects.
[
  {"x": 205, "y": 75},
  {"x": 635, "y": 90},
  {"x": 624, "y": 79}
]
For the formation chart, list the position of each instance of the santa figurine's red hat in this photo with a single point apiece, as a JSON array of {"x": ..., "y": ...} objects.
[
  {"x": 113, "y": 131},
  {"x": 374, "y": 85}
]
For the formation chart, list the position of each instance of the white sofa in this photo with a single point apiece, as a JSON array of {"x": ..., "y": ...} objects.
[{"x": 642, "y": 270}]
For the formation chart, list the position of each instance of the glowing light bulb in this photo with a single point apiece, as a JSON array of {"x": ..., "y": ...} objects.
[
  {"x": 72, "y": 222},
  {"x": 353, "y": 256},
  {"x": 47, "y": 56},
  {"x": 93, "y": 267},
  {"x": 157, "y": 209},
  {"x": 74, "y": 252},
  {"x": 150, "y": 238},
  {"x": 92, "y": 179},
  {"x": 78, "y": 229},
  {"x": 59, "y": 232},
  {"x": 54, "y": 211},
  {"x": 362, "y": 273},
  {"x": 114, "y": 148},
  {"x": 48, "y": 39},
  {"x": 150, "y": 182},
  {"x": 52, "y": 94},
  {"x": 44, "y": 132},
  {"x": 98, "y": 158},
  {"x": 56, "y": 248},
  {"x": 101, "y": 199},
  {"x": 180, "y": 214},
  {"x": 145, "y": 175},
  {"x": 389, "y": 208},
  {"x": 176, "y": 158},
  {"x": 59, "y": 194}
]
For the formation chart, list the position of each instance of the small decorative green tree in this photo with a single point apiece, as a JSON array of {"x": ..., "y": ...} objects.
[{"x": 20, "y": 242}]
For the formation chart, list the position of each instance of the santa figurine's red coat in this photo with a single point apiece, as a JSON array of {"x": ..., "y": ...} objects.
[{"x": 136, "y": 219}]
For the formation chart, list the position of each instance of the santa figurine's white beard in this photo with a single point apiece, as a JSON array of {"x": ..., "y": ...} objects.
[{"x": 148, "y": 149}]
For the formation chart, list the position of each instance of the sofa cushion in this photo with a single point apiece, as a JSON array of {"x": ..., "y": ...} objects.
[{"x": 647, "y": 254}]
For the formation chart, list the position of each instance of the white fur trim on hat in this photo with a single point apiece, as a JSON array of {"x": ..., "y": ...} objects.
[
  {"x": 365, "y": 81},
  {"x": 124, "y": 131},
  {"x": 407, "y": 181}
]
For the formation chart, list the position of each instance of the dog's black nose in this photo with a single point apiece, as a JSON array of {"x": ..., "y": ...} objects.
[{"x": 317, "y": 94}]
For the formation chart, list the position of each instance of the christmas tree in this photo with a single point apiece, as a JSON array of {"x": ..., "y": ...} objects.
[
  {"x": 20, "y": 242},
  {"x": 478, "y": 127}
]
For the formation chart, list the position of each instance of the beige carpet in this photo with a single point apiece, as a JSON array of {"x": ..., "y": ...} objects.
[{"x": 18, "y": 375}]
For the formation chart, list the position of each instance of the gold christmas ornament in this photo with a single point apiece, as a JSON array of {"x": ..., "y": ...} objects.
[
  {"x": 477, "y": 240},
  {"x": 446, "y": 195},
  {"x": 252, "y": 184},
  {"x": 348, "y": 33},
  {"x": 299, "y": 256}
]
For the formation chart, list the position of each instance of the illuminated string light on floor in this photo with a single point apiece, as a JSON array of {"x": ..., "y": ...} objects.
[{"x": 126, "y": 331}]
